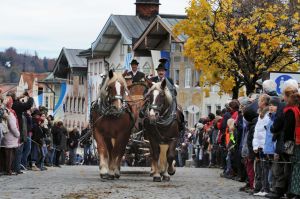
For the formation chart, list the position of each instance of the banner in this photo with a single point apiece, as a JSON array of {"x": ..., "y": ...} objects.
[
  {"x": 127, "y": 65},
  {"x": 58, "y": 112}
]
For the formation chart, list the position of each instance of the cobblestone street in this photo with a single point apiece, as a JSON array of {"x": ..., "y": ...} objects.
[{"x": 135, "y": 183}]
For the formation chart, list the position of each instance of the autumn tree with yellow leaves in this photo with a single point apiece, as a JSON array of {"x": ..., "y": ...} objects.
[{"x": 233, "y": 42}]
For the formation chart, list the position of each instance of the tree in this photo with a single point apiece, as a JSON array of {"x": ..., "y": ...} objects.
[{"x": 233, "y": 42}]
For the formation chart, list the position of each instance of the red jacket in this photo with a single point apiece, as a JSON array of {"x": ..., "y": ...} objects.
[{"x": 296, "y": 112}]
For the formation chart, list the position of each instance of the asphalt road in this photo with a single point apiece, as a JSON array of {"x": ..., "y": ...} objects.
[{"x": 83, "y": 182}]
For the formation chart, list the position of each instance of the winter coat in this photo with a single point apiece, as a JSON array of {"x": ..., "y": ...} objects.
[
  {"x": 269, "y": 147},
  {"x": 11, "y": 139},
  {"x": 37, "y": 133},
  {"x": 73, "y": 139},
  {"x": 250, "y": 116},
  {"x": 20, "y": 107},
  {"x": 259, "y": 136}
]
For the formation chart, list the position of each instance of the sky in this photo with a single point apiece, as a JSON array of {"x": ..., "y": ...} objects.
[{"x": 46, "y": 26}]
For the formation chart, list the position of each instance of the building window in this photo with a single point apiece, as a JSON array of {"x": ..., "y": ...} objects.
[
  {"x": 83, "y": 107},
  {"x": 177, "y": 59},
  {"x": 101, "y": 67},
  {"x": 71, "y": 101},
  {"x": 176, "y": 76},
  {"x": 40, "y": 90},
  {"x": 74, "y": 105},
  {"x": 67, "y": 104},
  {"x": 196, "y": 78},
  {"x": 187, "y": 78},
  {"x": 186, "y": 59},
  {"x": 218, "y": 107},
  {"x": 91, "y": 68},
  {"x": 47, "y": 102},
  {"x": 208, "y": 109},
  {"x": 176, "y": 47},
  {"x": 78, "y": 106},
  {"x": 81, "y": 80}
]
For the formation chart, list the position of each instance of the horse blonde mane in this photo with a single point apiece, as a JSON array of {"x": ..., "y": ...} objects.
[
  {"x": 116, "y": 77},
  {"x": 157, "y": 86}
]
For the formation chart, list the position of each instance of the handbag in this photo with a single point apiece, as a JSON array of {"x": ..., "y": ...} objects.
[{"x": 289, "y": 147}]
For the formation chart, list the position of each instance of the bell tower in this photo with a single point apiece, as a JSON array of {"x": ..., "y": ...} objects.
[{"x": 147, "y": 9}]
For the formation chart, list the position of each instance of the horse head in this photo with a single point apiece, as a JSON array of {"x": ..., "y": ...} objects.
[
  {"x": 113, "y": 90},
  {"x": 159, "y": 100}
]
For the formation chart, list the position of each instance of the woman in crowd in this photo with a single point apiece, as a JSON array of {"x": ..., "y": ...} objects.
[
  {"x": 292, "y": 135},
  {"x": 73, "y": 144},
  {"x": 261, "y": 183},
  {"x": 10, "y": 140}
]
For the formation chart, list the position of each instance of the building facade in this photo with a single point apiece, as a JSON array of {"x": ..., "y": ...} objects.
[{"x": 73, "y": 70}]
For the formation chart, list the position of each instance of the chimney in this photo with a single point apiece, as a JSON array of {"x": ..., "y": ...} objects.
[{"x": 147, "y": 9}]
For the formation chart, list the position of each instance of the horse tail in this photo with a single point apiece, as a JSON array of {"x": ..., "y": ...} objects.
[{"x": 163, "y": 157}]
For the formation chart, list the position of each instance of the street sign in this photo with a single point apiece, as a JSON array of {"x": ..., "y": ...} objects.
[
  {"x": 281, "y": 77},
  {"x": 193, "y": 109}
]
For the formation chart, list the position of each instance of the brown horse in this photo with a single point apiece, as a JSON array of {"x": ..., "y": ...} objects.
[
  {"x": 112, "y": 121},
  {"x": 161, "y": 126}
]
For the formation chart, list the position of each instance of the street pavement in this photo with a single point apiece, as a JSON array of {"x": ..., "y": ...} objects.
[{"x": 83, "y": 182}]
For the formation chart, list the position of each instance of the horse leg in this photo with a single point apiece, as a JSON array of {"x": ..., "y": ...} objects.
[
  {"x": 118, "y": 150},
  {"x": 155, "y": 157},
  {"x": 171, "y": 157},
  {"x": 110, "y": 142},
  {"x": 103, "y": 154},
  {"x": 163, "y": 163}
]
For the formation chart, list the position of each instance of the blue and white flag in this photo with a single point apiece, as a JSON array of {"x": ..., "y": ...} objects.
[{"x": 127, "y": 65}]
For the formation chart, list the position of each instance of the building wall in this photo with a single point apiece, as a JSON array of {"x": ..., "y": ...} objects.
[{"x": 76, "y": 102}]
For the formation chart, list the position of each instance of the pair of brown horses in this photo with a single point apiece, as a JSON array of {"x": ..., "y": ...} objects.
[{"x": 113, "y": 119}]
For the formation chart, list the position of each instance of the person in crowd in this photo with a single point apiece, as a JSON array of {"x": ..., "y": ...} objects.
[
  {"x": 250, "y": 115},
  {"x": 49, "y": 141},
  {"x": 20, "y": 105},
  {"x": 63, "y": 144},
  {"x": 292, "y": 135},
  {"x": 10, "y": 141},
  {"x": 134, "y": 74},
  {"x": 259, "y": 138},
  {"x": 269, "y": 147},
  {"x": 27, "y": 144},
  {"x": 37, "y": 140},
  {"x": 3, "y": 124},
  {"x": 72, "y": 145},
  {"x": 86, "y": 143},
  {"x": 57, "y": 133}
]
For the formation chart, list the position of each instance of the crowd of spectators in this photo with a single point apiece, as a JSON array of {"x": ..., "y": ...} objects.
[
  {"x": 255, "y": 140},
  {"x": 30, "y": 139}
]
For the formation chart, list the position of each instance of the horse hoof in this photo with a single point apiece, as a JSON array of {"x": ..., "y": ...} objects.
[
  {"x": 171, "y": 173},
  {"x": 117, "y": 176},
  {"x": 166, "y": 178},
  {"x": 111, "y": 177},
  {"x": 156, "y": 179},
  {"x": 151, "y": 174},
  {"x": 104, "y": 176}
]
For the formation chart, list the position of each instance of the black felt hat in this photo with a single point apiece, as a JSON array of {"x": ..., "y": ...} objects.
[
  {"x": 134, "y": 62},
  {"x": 162, "y": 65}
]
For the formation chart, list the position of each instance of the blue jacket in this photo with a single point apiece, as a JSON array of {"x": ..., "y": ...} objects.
[{"x": 269, "y": 147}]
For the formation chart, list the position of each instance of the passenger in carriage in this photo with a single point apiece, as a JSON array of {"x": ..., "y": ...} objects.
[
  {"x": 134, "y": 74},
  {"x": 161, "y": 75}
]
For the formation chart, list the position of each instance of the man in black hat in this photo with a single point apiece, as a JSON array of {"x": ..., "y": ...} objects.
[
  {"x": 136, "y": 75},
  {"x": 161, "y": 72}
]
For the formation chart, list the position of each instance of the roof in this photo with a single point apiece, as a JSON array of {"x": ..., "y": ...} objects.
[
  {"x": 50, "y": 79},
  {"x": 171, "y": 20},
  {"x": 29, "y": 77},
  {"x": 6, "y": 87},
  {"x": 126, "y": 27},
  {"x": 167, "y": 23},
  {"x": 73, "y": 59},
  {"x": 68, "y": 58}
]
